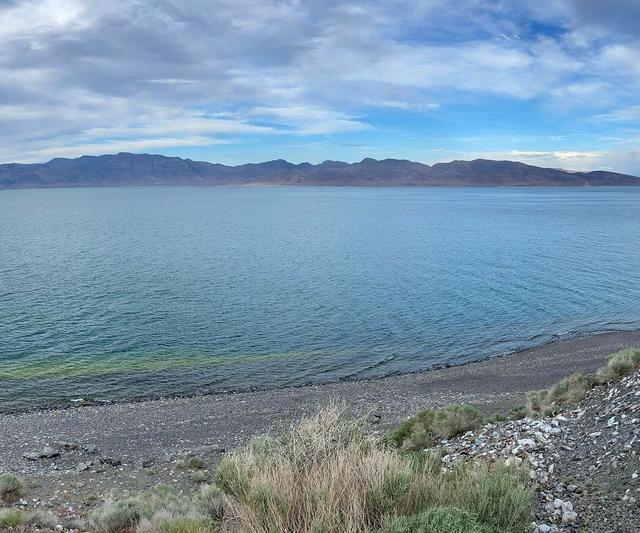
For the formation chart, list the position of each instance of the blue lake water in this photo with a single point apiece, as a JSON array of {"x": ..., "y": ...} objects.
[{"x": 112, "y": 294}]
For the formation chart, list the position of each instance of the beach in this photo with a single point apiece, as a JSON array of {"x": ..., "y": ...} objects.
[
  {"x": 150, "y": 430},
  {"x": 72, "y": 459}
]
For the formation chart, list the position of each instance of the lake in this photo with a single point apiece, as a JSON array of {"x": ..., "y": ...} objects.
[{"x": 127, "y": 293}]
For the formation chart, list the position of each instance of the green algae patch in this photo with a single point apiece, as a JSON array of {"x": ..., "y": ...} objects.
[{"x": 53, "y": 367}]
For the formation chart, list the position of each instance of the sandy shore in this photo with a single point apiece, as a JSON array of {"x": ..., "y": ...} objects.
[{"x": 154, "y": 429}]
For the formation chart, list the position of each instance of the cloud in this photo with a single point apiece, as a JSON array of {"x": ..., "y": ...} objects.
[
  {"x": 616, "y": 160},
  {"x": 631, "y": 113},
  {"x": 90, "y": 74},
  {"x": 309, "y": 120}
]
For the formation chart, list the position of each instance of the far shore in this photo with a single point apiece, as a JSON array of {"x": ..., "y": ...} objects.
[{"x": 153, "y": 429}]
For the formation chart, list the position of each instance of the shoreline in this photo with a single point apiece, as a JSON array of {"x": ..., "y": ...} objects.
[
  {"x": 151, "y": 429},
  {"x": 88, "y": 402}
]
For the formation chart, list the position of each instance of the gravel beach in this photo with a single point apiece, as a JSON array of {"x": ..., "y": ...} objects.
[
  {"x": 143, "y": 430},
  {"x": 74, "y": 457}
]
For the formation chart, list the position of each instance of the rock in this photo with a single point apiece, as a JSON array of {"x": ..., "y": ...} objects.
[
  {"x": 374, "y": 418},
  {"x": 513, "y": 461},
  {"x": 81, "y": 467},
  {"x": 90, "y": 448},
  {"x": 213, "y": 450},
  {"x": 49, "y": 453},
  {"x": 68, "y": 446},
  {"x": 544, "y": 528},
  {"x": 111, "y": 461},
  {"x": 569, "y": 517},
  {"x": 143, "y": 463}
]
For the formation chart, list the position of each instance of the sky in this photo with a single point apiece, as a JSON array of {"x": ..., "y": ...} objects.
[{"x": 555, "y": 84}]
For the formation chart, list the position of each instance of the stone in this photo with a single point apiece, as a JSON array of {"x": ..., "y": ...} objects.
[
  {"x": 544, "y": 528},
  {"x": 569, "y": 517},
  {"x": 513, "y": 461},
  {"x": 81, "y": 467},
  {"x": 567, "y": 506},
  {"x": 111, "y": 461},
  {"x": 48, "y": 453}
]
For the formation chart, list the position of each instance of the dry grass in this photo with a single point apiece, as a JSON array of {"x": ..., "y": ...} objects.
[
  {"x": 328, "y": 474},
  {"x": 160, "y": 510},
  {"x": 429, "y": 426}
]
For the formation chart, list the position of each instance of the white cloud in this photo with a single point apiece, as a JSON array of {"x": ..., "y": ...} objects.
[
  {"x": 83, "y": 73},
  {"x": 631, "y": 113},
  {"x": 577, "y": 160}
]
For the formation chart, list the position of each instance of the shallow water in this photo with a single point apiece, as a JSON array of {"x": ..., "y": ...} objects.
[{"x": 111, "y": 294}]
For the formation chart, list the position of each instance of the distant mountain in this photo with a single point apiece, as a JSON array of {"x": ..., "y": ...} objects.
[{"x": 126, "y": 169}]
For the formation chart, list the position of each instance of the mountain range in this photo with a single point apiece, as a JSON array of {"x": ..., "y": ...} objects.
[{"x": 125, "y": 169}]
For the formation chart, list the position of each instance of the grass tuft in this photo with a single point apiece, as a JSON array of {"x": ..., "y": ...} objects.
[
  {"x": 10, "y": 518},
  {"x": 39, "y": 519},
  {"x": 622, "y": 363},
  {"x": 436, "y": 520},
  {"x": 11, "y": 487},
  {"x": 429, "y": 426},
  {"x": 156, "y": 510}
]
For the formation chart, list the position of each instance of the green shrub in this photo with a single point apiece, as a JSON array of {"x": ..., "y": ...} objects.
[
  {"x": 195, "y": 463},
  {"x": 183, "y": 525},
  {"x": 40, "y": 519},
  {"x": 498, "y": 495},
  {"x": 199, "y": 476},
  {"x": 10, "y": 518},
  {"x": 567, "y": 391},
  {"x": 153, "y": 508},
  {"x": 436, "y": 520},
  {"x": 116, "y": 517},
  {"x": 429, "y": 426},
  {"x": 622, "y": 363},
  {"x": 212, "y": 502},
  {"x": 11, "y": 487}
]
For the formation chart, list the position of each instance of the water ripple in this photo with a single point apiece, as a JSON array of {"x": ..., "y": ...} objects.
[{"x": 112, "y": 294}]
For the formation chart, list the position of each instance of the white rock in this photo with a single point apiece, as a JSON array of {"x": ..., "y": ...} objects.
[{"x": 569, "y": 517}]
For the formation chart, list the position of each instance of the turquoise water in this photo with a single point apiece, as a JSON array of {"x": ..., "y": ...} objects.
[{"x": 112, "y": 294}]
